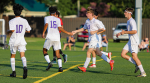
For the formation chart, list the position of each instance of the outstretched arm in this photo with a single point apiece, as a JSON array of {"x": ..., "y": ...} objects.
[
  {"x": 10, "y": 31},
  {"x": 76, "y": 31},
  {"x": 64, "y": 31},
  {"x": 101, "y": 31}
]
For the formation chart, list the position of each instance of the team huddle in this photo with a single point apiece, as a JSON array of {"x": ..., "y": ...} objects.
[{"x": 18, "y": 26}]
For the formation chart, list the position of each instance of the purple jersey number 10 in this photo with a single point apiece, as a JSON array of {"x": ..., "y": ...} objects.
[
  {"x": 19, "y": 29},
  {"x": 53, "y": 24}
]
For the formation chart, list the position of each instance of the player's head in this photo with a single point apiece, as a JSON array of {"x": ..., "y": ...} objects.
[
  {"x": 57, "y": 14},
  {"x": 52, "y": 10},
  {"x": 17, "y": 9},
  {"x": 95, "y": 14},
  {"x": 89, "y": 12},
  {"x": 128, "y": 12}
]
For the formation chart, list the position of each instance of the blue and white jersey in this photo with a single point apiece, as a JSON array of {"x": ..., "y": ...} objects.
[
  {"x": 133, "y": 38},
  {"x": 20, "y": 25},
  {"x": 93, "y": 25},
  {"x": 53, "y": 31}
]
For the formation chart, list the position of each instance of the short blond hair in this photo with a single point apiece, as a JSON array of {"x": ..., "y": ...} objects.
[{"x": 90, "y": 10}]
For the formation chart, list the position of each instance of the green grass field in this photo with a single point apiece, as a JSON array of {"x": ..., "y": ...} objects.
[{"x": 123, "y": 70}]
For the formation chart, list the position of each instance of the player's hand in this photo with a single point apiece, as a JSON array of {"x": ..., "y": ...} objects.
[
  {"x": 118, "y": 34},
  {"x": 70, "y": 33},
  {"x": 74, "y": 32},
  {"x": 122, "y": 32},
  {"x": 43, "y": 36}
]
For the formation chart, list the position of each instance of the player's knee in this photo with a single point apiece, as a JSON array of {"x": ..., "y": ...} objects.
[
  {"x": 122, "y": 55},
  {"x": 45, "y": 54}
]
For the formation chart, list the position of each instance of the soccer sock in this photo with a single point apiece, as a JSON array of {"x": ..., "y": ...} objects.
[
  {"x": 12, "y": 60},
  {"x": 105, "y": 58},
  {"x": 104, "y": 53},
  {"x": 87, "y": 62},
  {"x": 60, "y": 52},
  {"x": 59, "y": 62},
  {"x": 47, "y": 58},
  {"x": 24, "y": 61},
  {"x": 141, "y": 68},
  {"x": 94, "y": 60},
  {"x": 132, "y": 61}
]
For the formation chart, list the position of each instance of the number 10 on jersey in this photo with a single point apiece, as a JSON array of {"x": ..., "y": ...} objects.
[{"x": 19, "y": 28}]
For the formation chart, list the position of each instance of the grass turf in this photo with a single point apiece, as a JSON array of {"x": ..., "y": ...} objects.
[{"x": 123, "y": 70}]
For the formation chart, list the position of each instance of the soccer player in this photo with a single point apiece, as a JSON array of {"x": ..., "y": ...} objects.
[
  {"x": 60, "y": 51},
  {"x": 18, "y": 26},
  {"x": 93, "y": 26},
  {"x": 53, "y": 37},
  {"x": 132, "y": 45},
  {"x": 93, "y": 65}
]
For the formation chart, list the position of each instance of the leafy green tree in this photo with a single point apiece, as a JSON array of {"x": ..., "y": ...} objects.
[{"x": 3, "y": 5}]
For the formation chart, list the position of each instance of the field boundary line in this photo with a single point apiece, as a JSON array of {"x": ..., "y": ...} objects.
[{"x": 50, "y": 76}]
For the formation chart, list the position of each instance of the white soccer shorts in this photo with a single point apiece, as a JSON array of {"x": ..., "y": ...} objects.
[
  {"x": 94, "y": 44},
  {"x": 131, "y": 48},
  {"x": 20, "y": 48},
  {"x": 48, "y": 43}
]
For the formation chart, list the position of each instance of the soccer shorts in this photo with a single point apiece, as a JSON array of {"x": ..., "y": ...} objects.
[
  {"x": 131, "y": 48},
  {"x": 48, "y": 43},
  {"x": 94, "y": 44},
  {"x": 20, "y": 48}
]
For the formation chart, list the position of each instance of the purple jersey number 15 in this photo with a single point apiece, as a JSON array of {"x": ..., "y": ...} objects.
[
  {"x": 19, "y": 28},
  {"x": 53, "y": 24}
]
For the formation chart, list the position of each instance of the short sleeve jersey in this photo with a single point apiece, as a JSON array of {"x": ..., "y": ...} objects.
[
  {"x": 93, "y": 25},
  {"x": 53, "y": 24},
  {"x": 133, "y": 38},
  {"x": 20, "y": 25}
]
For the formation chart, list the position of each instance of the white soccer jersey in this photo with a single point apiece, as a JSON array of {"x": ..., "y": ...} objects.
[
  {"x": 20, "y": 25},
  {"x": 133, "y": 38},
  {"x": 93, "y": 25},
  {"x": 53, "y": 31}
]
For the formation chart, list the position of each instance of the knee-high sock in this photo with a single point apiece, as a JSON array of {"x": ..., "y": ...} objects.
[
  {"x": 87, "y": 62},
  {"x": 47, "y": 58},
  {"x": 94, "y": 60},
  {"x": 60, "y": 62},
  {"x": 141, "y": 68},
  {"x": 104, "y": 57},
  {"x": 12, "y": 61},
  {"x": 24, "y": 61},
  {"x": 132, "y": 61}
]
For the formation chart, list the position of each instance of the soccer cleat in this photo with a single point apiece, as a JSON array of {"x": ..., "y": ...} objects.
[
  {"x": 83, "y": 69},
  {"x": 13, "y": 74},
  {"x": 49, "y": 66},
  {"x": 60, "y": 69},
  {"x": 143, "y": 74},
  {"x": 92, "y": 66},
  {"x": 109, "y": 55},
  {"x": 25, "y": 72},
  {"x": 65, "y": 58},
  {"x": 111, "y": 64},
  {"x": 54, "y": 62},
  {"x": 136, "y": 69}
]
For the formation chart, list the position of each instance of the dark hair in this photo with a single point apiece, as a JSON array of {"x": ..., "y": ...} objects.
[
  {"x": 57, "y": 13},
  {"x": 17, "y": 9},
  {"x": 95, "y": 13},
  {"x": 130, "y": 9},
  {"x": 52, "y": 9}
]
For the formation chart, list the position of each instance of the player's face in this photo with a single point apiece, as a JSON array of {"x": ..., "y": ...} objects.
[
  {"x": 126, "y": 14},
  {"x": 89, "y": 15}
]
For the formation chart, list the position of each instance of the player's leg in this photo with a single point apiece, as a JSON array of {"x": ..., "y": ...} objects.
[
  {"x": 93, "y": 59},
  {"x": 85, "y": 44},
  {"x": 12, "y": 60},
  {"x": 104, "y": 57},
  {"x": 46, "y": 47},
  {"x": 64, "y": 55},
  {"x": 57, "y": 47},
  {"x": 54, "y": 56},
  {"x": 89, "y": 51}
]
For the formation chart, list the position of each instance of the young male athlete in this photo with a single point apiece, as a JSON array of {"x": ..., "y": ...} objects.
[
  {"x": 53, "y": 37},
  {"x": 93, "y": 26},
  {"x": 93, "y": 65},
  {"x": 60, "y": 51},
  {"x": 18, "y": 26},
  {"x": 132, "y": 45}
]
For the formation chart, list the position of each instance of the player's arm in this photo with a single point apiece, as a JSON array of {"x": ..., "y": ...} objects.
[
  {"x": 10, "y": 31},
  {"x": 45, "y": 27},
  {"x": 79, "y": 30},
  {"x": 101, "y": 31},
  {"x": 64, "y": 31},
  {"x": 27, "y": 31}
]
